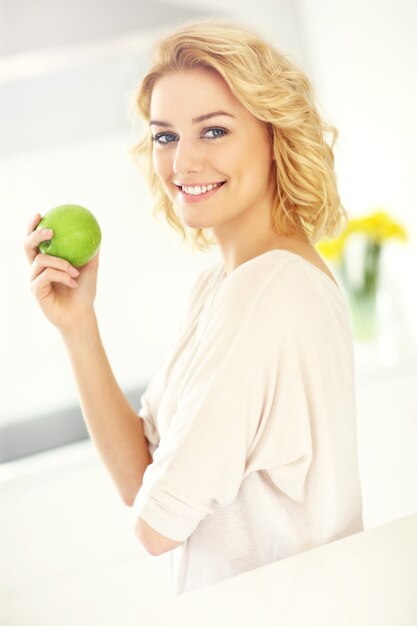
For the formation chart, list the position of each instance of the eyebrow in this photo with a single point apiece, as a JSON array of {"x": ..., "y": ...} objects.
[{"x": 195, "y": 120}]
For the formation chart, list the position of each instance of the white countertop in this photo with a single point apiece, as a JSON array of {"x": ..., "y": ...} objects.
[{"x": 367, "y": 579}]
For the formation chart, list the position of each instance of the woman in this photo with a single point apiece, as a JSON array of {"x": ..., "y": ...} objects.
[{"x": 245, "y": 450}]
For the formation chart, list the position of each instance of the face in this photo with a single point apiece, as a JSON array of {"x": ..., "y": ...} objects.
[{"x": 231, "y": 149}]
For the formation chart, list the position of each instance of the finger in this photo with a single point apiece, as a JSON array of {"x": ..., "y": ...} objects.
[
  {"x": 92, "y": 265},
  {"x": 33, "y": 222},
  {"x": 33, "y": 239},
  {"x": 41, "y": 286},
  {"x": 45, "y": 261}
]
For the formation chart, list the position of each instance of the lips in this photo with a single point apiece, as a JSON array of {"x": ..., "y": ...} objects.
[
  {"x": 220, "y": 183},
  {"x": 200, "y": 197}
]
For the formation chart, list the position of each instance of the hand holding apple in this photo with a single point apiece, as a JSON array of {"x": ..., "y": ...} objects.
[
  {"x": 65, "y": 293},
  {"x": 76, "y": 234}
]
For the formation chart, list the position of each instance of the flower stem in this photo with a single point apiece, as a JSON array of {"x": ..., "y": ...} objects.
[{"x": 371, "y": 267}]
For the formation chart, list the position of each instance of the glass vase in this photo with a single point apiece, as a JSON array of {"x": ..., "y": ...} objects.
[
  {"x": 364, "y": 316},
  {"x": 360, "y": 276}
]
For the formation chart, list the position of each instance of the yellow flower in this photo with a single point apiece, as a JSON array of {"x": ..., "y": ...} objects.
[{"x": 378, "y": 226}]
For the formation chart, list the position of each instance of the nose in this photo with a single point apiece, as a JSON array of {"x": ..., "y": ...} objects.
[{"x": 187, "y": 158}]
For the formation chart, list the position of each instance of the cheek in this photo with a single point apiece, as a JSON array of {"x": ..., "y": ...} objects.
[
  {"x": 239, "y": 158},
  {"x": 255, "y": 162},
  {"x": 163, "y": 171},
  {"x": 225, "y": 160}
]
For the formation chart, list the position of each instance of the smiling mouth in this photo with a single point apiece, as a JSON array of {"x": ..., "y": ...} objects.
[{"x": 181, "y": 188}]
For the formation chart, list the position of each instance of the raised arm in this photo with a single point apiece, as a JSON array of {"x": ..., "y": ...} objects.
[
  {"x": 114, "y": 427},
  {"x": 66, "y": 296}
]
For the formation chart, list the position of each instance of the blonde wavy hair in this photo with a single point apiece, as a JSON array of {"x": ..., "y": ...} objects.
[{"x": 276, "y": 92}]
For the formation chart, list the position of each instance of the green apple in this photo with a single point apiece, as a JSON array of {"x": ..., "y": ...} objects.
[{"x": 76, "y": 237}]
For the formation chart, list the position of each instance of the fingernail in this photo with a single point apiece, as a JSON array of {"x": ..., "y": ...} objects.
[
  {"x": 45, "y": 232},
  {"x": 74, "y": 271}
]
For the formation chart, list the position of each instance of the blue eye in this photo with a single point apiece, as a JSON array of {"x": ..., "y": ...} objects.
[
  {"x": 158, "y": 138},
  {"x": 222, "y": 131}
]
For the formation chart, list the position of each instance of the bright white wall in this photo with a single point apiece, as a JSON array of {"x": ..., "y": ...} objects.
[{"x": 362, "y": 59}]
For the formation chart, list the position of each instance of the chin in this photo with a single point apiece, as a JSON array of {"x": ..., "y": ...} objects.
[
  {"x": 196, "y": 224},
  {"x": 194, "y": 220}
]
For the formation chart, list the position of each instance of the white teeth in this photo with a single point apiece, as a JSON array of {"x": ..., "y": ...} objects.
[{"x": 196, "y": 191}]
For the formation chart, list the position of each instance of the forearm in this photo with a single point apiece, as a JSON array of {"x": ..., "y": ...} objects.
[{"x": 113, "y": 425}]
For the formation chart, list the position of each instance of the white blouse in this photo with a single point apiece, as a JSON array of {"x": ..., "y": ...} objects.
[{"x": 251, "y": 422}]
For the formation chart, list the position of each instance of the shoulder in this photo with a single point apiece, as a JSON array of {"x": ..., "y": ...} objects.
[
  {"x": 284, "y": 290},
  {"x": 278, "y": 274}
]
